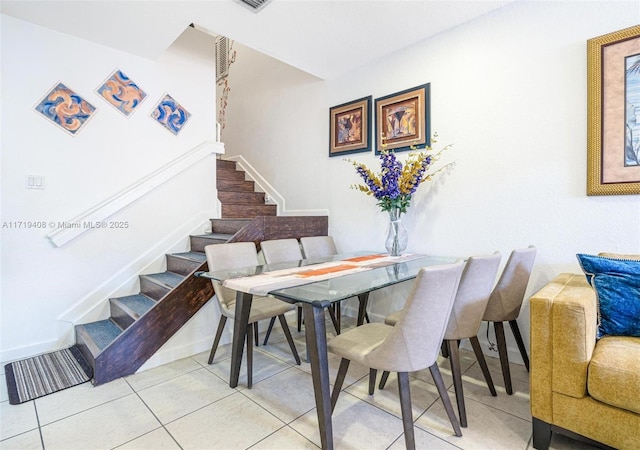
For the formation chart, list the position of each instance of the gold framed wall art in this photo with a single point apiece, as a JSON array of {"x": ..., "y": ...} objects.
[{"x": 613, "y": 99}]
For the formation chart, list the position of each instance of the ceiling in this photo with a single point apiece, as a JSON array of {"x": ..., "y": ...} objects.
[{"x": 325, "y": 38}]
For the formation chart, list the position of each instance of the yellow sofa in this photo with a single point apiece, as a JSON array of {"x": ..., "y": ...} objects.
[{"x": 579, "y": 386}]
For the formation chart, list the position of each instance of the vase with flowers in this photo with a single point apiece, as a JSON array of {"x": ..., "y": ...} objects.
[{"x": 394, "y": 187}]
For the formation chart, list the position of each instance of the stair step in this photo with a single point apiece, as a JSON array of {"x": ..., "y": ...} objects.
[
  {"x": 248, "y": 211},
  {"x": 102, "y": 332},
  {"x": 157, "y": 285},
  {"x": 192, "y": 256},
  {"x": 225, "y": 164},
  {"x": 235, "y": 186},
  {"x": 199, "y": 242},
  {"x": 169, "y": 279},
  {"x": 230, "y": 174},
  {"x": 228, "y": 226},
  {"x": 128, "y": 309},
  {"x": 254, "y": 198},
  {"x": 183, "y": 265}
]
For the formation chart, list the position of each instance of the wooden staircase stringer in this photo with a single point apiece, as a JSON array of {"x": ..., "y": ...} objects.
[{"x": 136, "y": 344}]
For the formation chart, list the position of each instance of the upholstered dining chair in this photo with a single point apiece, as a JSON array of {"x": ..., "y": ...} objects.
[
  {"x": 276, "y": 251},
  {"x": 318, "y": 246},
  {"x": 411, "y": 345},
  {"x": 477, "y": 280},
  {"x": 323, "y": 247},
  {"x": 505, "y": 303},
  {"x": 237, "y": 255}
]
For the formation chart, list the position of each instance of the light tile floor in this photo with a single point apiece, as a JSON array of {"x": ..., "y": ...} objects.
[{"x": 188, "y": 404}]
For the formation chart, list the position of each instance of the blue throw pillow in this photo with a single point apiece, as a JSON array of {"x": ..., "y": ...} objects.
[{"x": 617, "y": 285}]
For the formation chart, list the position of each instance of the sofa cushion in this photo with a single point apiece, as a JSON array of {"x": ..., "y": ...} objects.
[
  {"x": 614, "y": 372},
  {"x": 617, "y": 285}
]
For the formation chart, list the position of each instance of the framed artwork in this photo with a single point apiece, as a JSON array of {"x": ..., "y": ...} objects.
[
  {"x": 403, "y": 119},
  {"x": 170, "y": 114},
  {"x": 65, "y": 108},
  {"x": 349, "y": 126},
  {"x": 613, "y": 99},
  {"x": 121, "y": 92}
]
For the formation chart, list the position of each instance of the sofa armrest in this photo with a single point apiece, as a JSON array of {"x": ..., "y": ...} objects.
[{"x": 563, "y": 337}]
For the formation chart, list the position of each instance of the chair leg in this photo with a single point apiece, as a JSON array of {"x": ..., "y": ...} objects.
[
  {"x": 443, "y": 350},
  {"x": 332, "y": 314},
  {"x": 366, "y": 317},
  {"x": 216, "y": 341},
  {"x": 287, "y": 333},
  {"x": 255, "y": 333},
  {"x": 337, "y": 308},
  {"x": 442, "y": 390},
  {"x": 454, "y": 361},
  {"x": 337, "y": 386},
  {"x": 520, "y": 342},
  {"x": 405, "y": 406},
  {"x": 475, "y": 343},
  {"x": 383, "y": 379},
  {"x": 266, "y": 338},
  {"x": 372, "y": 380},
  {"x": 250, "y": 354},
  {"x": 504, "y": 358}
]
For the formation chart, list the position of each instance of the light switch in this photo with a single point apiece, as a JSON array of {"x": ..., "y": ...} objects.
[{"x": 34, "y": 182}]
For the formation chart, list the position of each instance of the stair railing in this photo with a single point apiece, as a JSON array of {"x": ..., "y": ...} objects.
[{"x": 71, "y": 229}]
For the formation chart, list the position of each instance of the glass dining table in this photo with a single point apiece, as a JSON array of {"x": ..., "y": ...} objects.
[{"x": 324, "y": 282}]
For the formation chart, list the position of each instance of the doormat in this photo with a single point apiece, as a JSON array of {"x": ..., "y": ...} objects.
[{"x": 45, "y": 374}]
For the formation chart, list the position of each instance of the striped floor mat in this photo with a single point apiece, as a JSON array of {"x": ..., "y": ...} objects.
[{"x": 45, "y": 374}]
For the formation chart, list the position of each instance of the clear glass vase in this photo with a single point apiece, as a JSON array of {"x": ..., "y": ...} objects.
[{"x": 397, "y": 237}]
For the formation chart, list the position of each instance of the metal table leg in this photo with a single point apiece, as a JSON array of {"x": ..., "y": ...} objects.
[{"x": 316, "y": 335}]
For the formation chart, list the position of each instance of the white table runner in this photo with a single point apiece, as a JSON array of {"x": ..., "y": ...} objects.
[{"x": 266, "y": 282}]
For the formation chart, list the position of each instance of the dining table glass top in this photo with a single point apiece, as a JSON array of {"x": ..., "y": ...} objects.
[{"x": 344, "y": 280}]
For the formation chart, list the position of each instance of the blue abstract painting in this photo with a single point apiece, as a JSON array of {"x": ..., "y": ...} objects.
[
  {"x": 63, "y": 107},
  {"x": 170, "y": 114},
  {"x": 121, "y": 92}
]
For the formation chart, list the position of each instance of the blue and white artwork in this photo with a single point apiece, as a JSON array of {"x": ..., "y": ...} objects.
[
  {"x": 121, "y": 92},
  {"x": 170, "y": 114},
  {"x": 65, "y": 108},
  {"x": 632, "y": 111}
]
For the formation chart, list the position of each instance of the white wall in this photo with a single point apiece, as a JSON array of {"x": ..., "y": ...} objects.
[
  {"x": 508, "y": 90},
  {"x": 45, "y": 289}
]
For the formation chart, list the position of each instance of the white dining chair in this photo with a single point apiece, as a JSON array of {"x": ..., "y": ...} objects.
[
  {"x": 324, "y": 247},
  {"x": 477, "y": 280},
  {"x": 276, "y": 251},
  {"x": 234, "y": 256},
  {"x": 411, "y": 345},
  {"x": 505, "y": 303}
]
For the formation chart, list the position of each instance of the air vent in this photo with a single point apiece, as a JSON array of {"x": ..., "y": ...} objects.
[
  {"x": 222, "y": 57},
  {"x": 254, "y": 5}
]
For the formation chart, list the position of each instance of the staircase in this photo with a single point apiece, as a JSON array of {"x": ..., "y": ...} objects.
[
  {"x": 140, "y": 324},
  {"x": 237, "y": 195}
]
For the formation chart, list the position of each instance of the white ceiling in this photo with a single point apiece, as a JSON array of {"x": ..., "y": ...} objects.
[{"x": 325, "y": 38}]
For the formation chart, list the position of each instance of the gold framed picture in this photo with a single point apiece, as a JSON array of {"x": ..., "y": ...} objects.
[
  {"x": 349, "y": 125},
  {"x": 613, "y": 99},
  {"x": 403, "y": 120}
]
